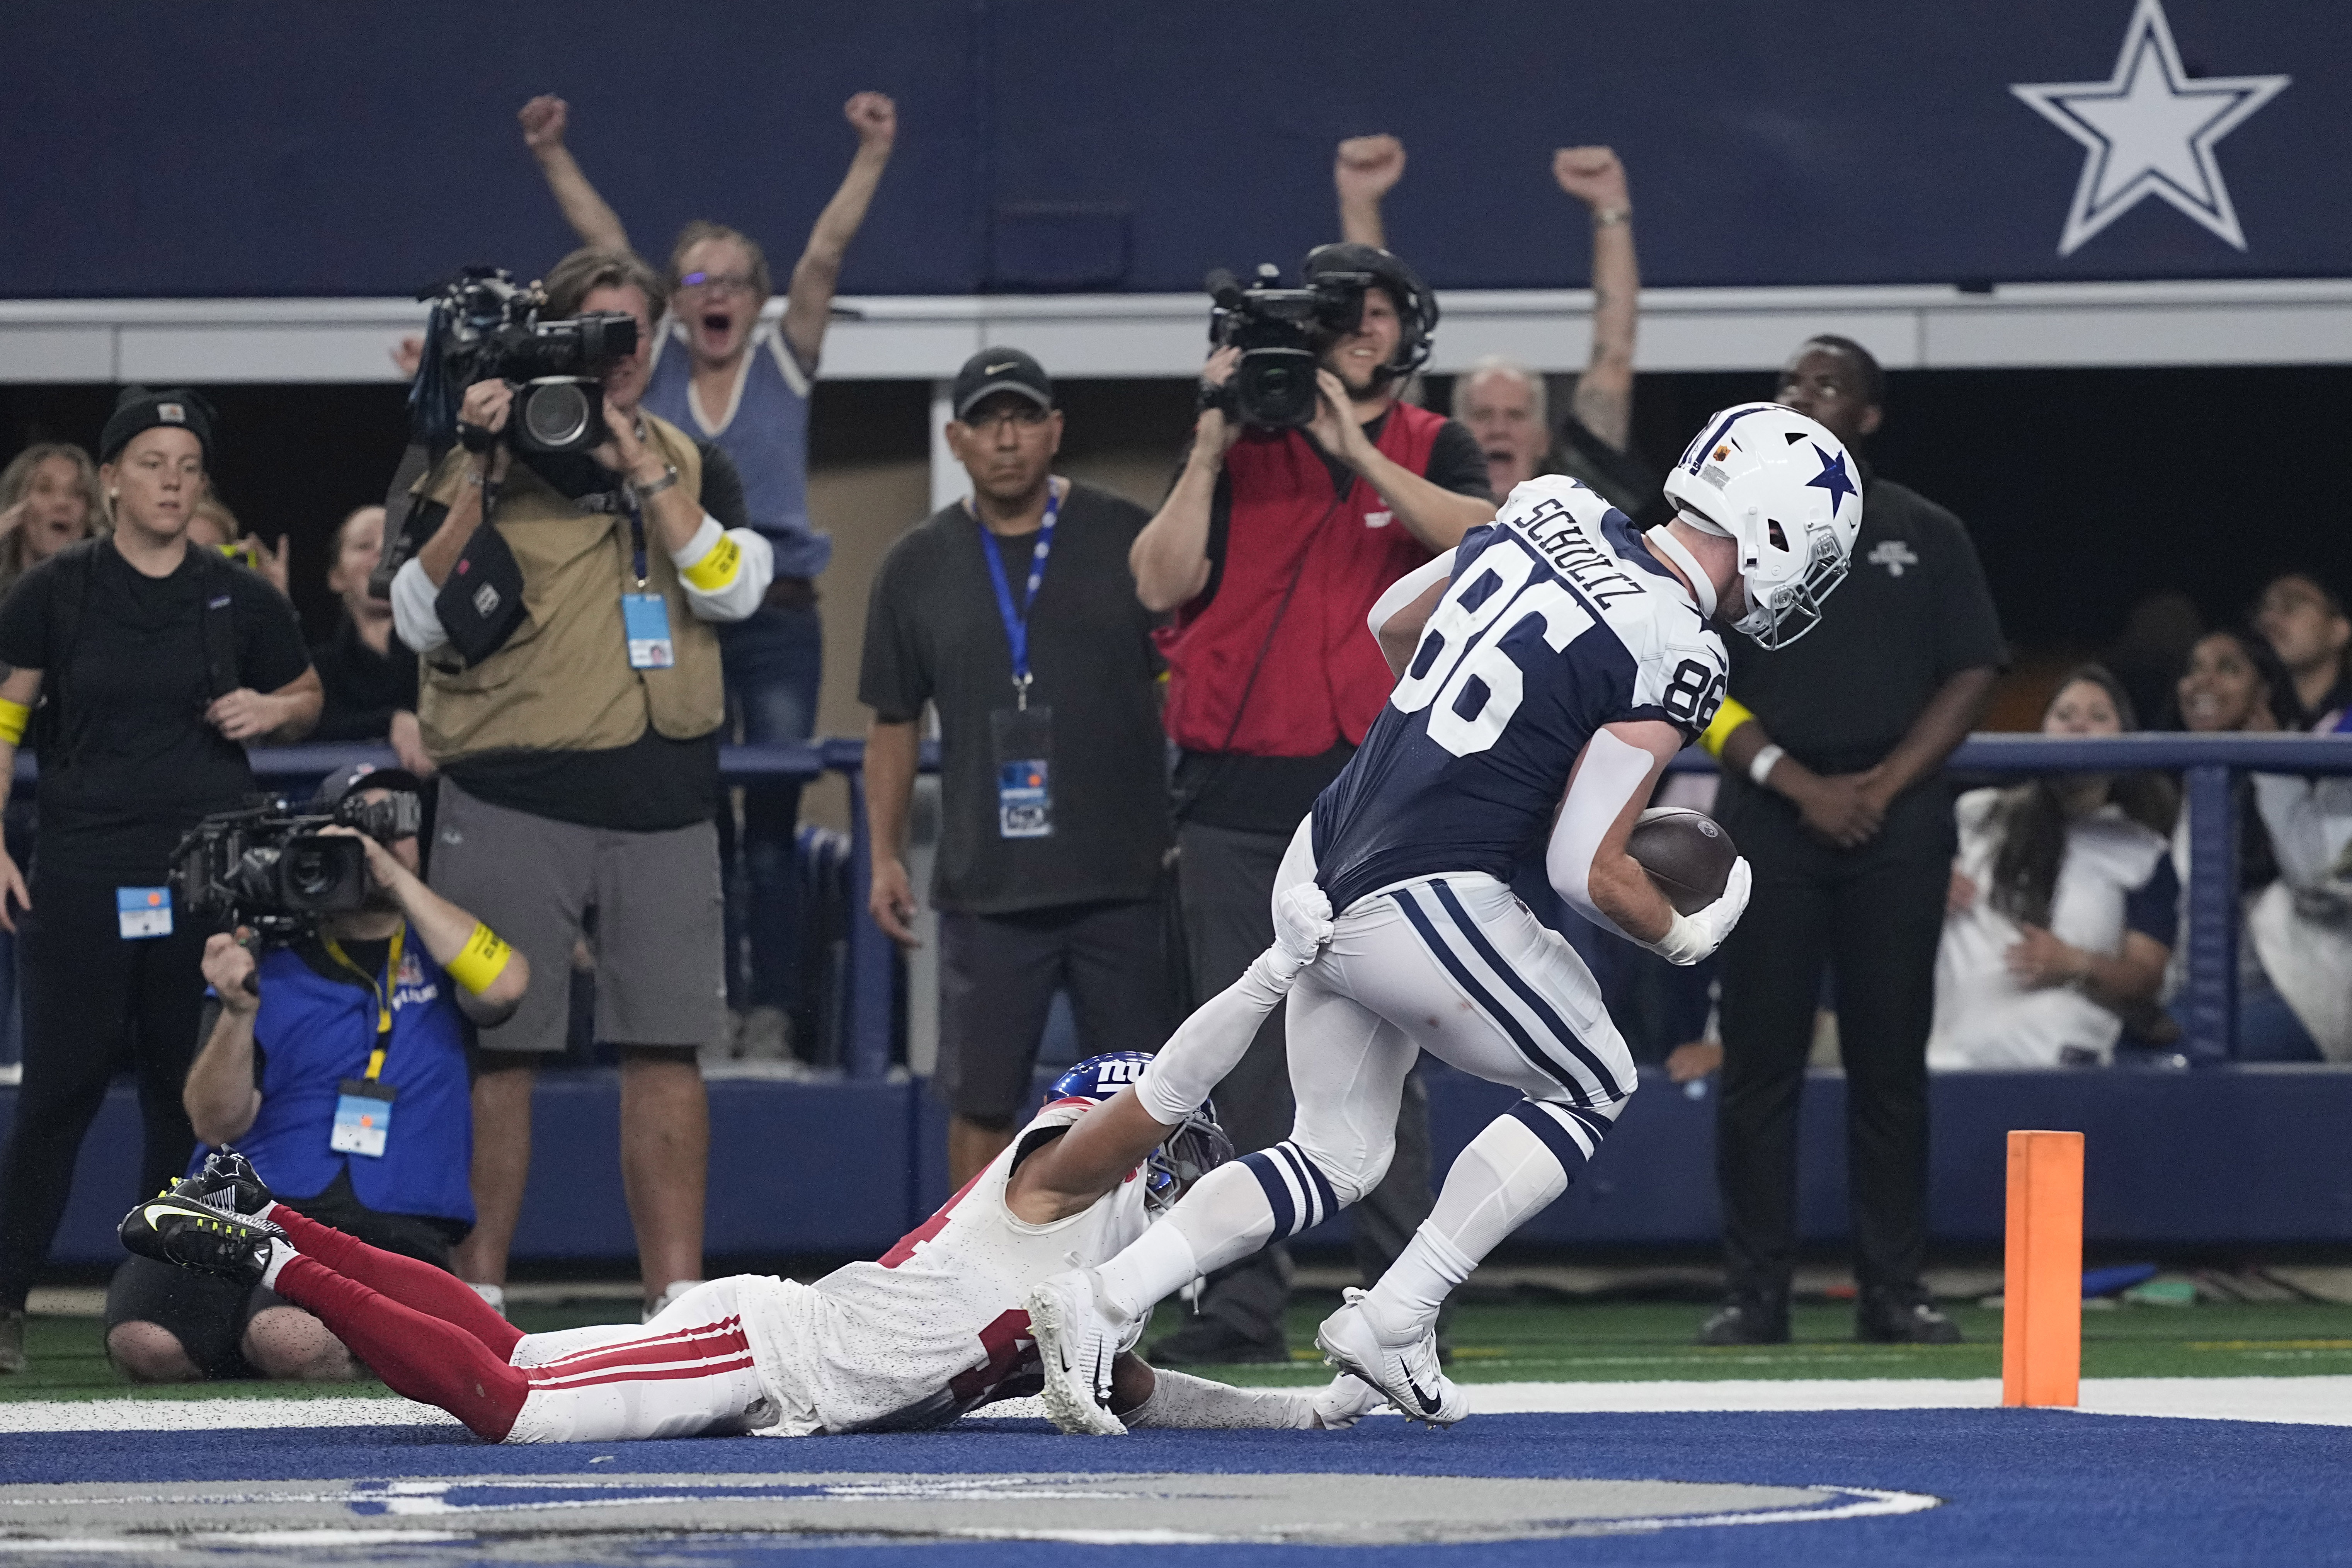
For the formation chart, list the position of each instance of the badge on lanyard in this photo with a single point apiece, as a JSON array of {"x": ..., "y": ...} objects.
[
  {"x": 1022, "y": 736},
  {"x": 363, "y": 1118},
  {"x": 142, "y": 912},
  {"x": 645, "y": 616},
  {"x": 362, "y": 1122},
  {"x": 646, "y": 619}
]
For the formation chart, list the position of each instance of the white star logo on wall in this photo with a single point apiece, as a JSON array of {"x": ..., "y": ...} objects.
[{"x": 2150, "y": 131}]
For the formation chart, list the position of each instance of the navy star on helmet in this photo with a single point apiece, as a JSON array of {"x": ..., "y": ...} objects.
[{"x": 1782, "y": 488}]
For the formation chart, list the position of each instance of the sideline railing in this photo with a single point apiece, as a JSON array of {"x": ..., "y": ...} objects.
[{"x": 2208, "y": 764}]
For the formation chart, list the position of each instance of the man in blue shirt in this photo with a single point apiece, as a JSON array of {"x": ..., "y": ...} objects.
[
  {"x": 336, "y": 1065},
  {"x": 722, "y": 374}
]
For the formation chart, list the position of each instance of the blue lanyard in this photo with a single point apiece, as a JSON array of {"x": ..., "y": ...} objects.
[{"x": 1016, "y": 626}]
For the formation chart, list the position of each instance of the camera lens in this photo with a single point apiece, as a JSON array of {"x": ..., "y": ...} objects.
[
  {"x": 555, "y": 416},
  {"x": 309, "y": 870}
]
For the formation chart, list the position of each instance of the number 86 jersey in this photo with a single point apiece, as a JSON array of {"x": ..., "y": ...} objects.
[{"x": 1557, "y": 621}]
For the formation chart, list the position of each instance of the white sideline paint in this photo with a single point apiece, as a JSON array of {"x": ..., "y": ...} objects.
[{"x": 2300, "y": 1401}]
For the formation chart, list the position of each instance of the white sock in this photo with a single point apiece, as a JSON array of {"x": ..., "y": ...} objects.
[
  {"x": 1154, "y": 1265},
  {"x": 1224, "y": 1218},
  {"x": 281, "y": 1252},
  {"x": 1505, "y": 1175},
  {"x": 495, "y": 1295}
]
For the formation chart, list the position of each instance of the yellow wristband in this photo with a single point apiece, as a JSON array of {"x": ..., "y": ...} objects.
[
  {"x": 719, "y": 568},
  {"x": 1727, "y": 718},
  {"x": 12, "y": 721},
  {"x": 480, "y": 961}
]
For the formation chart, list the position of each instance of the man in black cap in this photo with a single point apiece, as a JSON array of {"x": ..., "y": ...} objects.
[
  {"x": 1013, "y": 614},
  {"x": 337, "y": 1066},
  {"x": 153, "y": 664}
]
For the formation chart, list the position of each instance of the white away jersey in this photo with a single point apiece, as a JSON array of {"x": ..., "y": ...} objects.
[
  {"x": 1557, "y": 621},
  {"x": 935, "y": 1327}
]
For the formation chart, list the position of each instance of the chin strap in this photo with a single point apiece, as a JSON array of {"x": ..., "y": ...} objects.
[{"x": 1674, "y": 549}]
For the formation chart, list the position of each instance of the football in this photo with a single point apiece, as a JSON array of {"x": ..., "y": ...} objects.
[{"x": 1686, "y": 854}]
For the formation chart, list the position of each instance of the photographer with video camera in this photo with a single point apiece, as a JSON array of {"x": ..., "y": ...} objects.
[
  {"x": 1308, "y": 489},
  {"x": 152, "y": 665},
  {"x": 571, "y": 700},
  {"x": 334, "y": 1059}
]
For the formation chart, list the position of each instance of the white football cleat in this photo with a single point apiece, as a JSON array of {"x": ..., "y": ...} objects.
[
  {"x": 1407, "y": 1375},
  {"x": 1076, "y": 1344}
]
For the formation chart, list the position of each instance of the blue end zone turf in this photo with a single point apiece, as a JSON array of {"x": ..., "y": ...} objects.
[{"x": 2017, "y": 1486}]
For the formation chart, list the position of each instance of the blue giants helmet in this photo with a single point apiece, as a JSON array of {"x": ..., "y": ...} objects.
[{"x": 1195, "y": 1148}]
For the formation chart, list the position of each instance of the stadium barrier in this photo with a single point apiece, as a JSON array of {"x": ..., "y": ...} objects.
[{"x": 2248, "y": 1154}]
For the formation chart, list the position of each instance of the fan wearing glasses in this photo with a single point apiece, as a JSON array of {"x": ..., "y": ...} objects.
[{"x": 723, "y": 375}]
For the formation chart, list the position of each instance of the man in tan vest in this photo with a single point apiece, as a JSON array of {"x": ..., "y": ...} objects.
[{"x": 580, "y": 759}]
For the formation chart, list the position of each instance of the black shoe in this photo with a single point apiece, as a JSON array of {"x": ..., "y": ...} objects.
[
  {"x": 1747, "y": 1320},
  {"x": 198, "y": 1236},
  {"x": 1212, "y": 1342},
  {"x": 1903, "y": 1318},
  {"x": 227, "y": 1181}
]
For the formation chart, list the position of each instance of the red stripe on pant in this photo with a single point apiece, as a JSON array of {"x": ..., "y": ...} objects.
[
  {"x": 417, "y": 1355},
  {"x": 433, "y": 1291},
  {"x": 725, "y": 1339},
  {"x": 640, "y": 1375}
]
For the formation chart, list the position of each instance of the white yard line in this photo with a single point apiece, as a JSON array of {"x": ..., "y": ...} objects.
[{"x": 2303, "y": 1401}]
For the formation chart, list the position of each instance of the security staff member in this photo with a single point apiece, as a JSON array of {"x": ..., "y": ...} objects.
[
  {"x": 152, "y": 665},
  {"x": 1832, "y": 750},
  {"x": 1270, "y": 550},
  {"x": 337, "y": 1066}
]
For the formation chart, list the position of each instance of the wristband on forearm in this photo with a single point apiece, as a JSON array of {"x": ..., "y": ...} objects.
[
  {"x": 1759, "y": 766},
  {"x": 480, "y": 961},
  {"x": 717, "y": 569},
  {"x": 13, "y": 717},
  {"x": 1730, "y": 714}
]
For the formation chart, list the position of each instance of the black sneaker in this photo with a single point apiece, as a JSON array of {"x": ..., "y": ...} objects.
[
  {"x": 198, "y": 1236},
  {"x": 1212, "y": 1342},
  {"x": 1903, "y": 1318},
  {"x": 227, "y": 1181},
  {"x": 1747, "y": 1320}
]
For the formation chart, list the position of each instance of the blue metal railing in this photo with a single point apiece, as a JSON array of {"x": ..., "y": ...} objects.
[{"x": 2208, "y": 765}]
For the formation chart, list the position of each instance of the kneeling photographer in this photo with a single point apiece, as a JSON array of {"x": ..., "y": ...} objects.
[
  {"x": 334, "y": 1059},
  {"x": 1308, "y": 489},
  {"x": 573, "y": 700}
]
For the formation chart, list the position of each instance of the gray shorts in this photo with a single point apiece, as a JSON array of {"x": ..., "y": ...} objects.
[{"x": 659, "y": 938}]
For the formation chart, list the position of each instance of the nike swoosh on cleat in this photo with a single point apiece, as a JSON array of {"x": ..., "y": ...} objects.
[{"x": 1425, "y": 1402}]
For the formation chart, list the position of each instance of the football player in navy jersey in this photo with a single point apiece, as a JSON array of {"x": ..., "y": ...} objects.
[{"x": 1548, "y": 670}]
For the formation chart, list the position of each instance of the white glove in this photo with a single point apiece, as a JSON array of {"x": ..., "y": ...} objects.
[
  {"x": 1302, "y": 923},
  {"x": 1694, "y": 937},
  {"x": 1347, "y": 1400}
]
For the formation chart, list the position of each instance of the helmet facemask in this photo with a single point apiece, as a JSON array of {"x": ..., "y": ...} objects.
[
  {"x": 1779, "y": 614},
  {"x": 1195, "y": 1148}
]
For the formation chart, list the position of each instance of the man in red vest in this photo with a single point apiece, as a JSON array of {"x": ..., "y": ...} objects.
[{"x": 1267, "y": 554}]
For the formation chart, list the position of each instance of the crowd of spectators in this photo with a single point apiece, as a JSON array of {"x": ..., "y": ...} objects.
[{"x": 1134, "y": 709}]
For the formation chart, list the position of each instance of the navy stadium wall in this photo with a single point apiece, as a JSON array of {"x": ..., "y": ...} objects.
[
  {"x": 285, "y": 148},
  {"x": 2246, "y": 1155}
]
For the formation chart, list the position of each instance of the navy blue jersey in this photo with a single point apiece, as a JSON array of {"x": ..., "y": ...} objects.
[{"x": 1557, "y": 622}]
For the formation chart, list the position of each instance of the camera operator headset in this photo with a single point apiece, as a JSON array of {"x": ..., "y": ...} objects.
[
  {"x": 572, "y": 699},
  {"x": 151, "y": 665},
  {"x": 336, "y": 1064},
  {"x": 1270, "y": 551}
]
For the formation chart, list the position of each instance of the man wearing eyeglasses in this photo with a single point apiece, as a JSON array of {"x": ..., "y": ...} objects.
[
  {"x": 1013, "y": 614},
  {"x": 722, "y": 374}
]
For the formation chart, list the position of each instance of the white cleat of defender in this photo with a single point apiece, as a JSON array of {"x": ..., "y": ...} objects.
[
  {"x": 1407, "y": 1375},
  {"x": 1076, "y": 1344}
]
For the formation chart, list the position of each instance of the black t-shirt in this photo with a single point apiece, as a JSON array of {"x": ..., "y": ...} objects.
[
  {"x": 650, "y": 785},
  {"x": 363, "y": 688},
  {"x": 1269, "y": 795},
  {"x": 1913, "y": 612},
  {"x": 933, "y": 634},
  {"x": 133, "y": 689}
]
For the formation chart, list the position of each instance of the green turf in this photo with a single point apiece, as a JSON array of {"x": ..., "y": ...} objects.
[{"x": 1515, "y": 1340}]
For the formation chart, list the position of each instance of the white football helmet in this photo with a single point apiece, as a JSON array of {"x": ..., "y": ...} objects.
[{"x": 1783, "y": 489}]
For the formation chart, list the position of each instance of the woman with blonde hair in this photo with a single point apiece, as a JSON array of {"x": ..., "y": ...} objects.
[{"x": 48, "y": 499}]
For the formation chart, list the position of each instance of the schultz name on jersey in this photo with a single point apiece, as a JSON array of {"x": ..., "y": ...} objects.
[{"x": 1557, "y": 621}]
